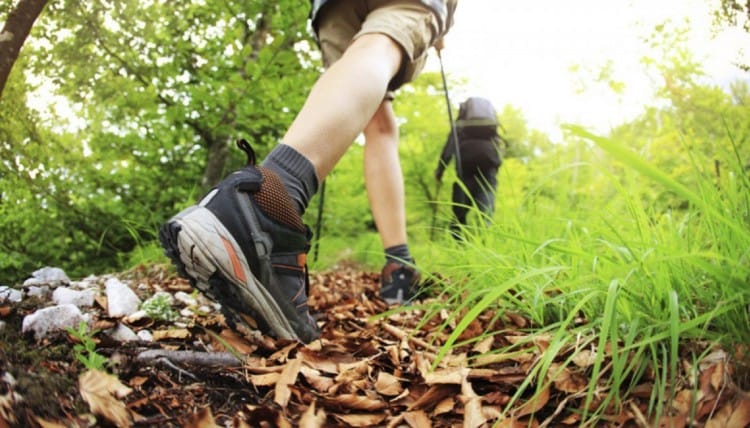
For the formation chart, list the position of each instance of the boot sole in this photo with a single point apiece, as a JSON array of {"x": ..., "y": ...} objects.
[{"x": 206, "y": 254}]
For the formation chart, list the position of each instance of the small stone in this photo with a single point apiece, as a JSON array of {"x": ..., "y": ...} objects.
[
  {"x": 185, "y": 298},
  {"x": 10, "y": 295},
  {"x": 121, "y": 300},
  {"x": 55, "y": 318},
  {"x": 65, "y": 295},
  {"x": 122, "y": 333},
  {"x": 41, "y": 291},
  {"x": 48, "y": 275}
]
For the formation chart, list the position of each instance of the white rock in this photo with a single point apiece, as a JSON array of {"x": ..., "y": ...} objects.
[
  {"x": 209, "y": 309},
  {"x": 11, "y": 295},
  {"x": 145, "y": 335},
  {"x": 65, "y": 295},
  {"x": 121, "y": 300},
  {"x": 122, "y": 333},
  {"x": 136, "y": 317},
  {"x": 84, "y": 284},
  {"x": 48, "y": 275},
  {"x": 41, "y": 291},
  {"x": 55, "y": 318},
  {"x": 185, "y": 298}
]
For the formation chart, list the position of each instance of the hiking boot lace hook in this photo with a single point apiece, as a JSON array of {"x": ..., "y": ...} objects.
[{"x": 245, "y": 147}]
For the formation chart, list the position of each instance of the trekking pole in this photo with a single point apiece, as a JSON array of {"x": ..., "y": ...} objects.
[
  {"x": 459, "y": 172},
  {"x": 319, "y": 222}
]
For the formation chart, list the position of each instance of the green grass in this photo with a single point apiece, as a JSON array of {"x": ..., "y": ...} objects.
[
  {"x": 648, "y": 281},
  {"x": 365, "y": 251}
]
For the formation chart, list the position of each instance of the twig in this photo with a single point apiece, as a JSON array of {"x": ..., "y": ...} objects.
[
  {"x": 221, "y": 359},
  {"x": 400, "y": 334},
  {"x": 170, "y": 365}
]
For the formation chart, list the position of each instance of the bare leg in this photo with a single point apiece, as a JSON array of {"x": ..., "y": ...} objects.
[
  {"x": 343, "y": 101},
  {"x": 383, "y": 177}
]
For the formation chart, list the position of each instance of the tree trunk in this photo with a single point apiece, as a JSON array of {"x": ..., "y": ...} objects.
[
  {"x": 216, "y": 160},
  {"x": 16, "y": 29}
]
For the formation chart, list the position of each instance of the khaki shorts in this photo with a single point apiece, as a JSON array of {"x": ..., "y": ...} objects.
[{"x": 409, "y": 23}]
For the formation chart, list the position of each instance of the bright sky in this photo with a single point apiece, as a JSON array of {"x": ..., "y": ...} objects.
[{"x": 520, "y": 52}]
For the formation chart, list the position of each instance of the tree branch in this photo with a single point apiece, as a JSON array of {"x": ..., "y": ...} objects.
[{"x": 14, "y": 34}]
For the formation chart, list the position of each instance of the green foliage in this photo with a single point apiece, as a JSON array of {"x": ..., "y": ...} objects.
[
  {"x": 346, "y": 212},
  {"x": 735, "y": 12},
  {"x": 157, "y": 94},
  {"x": 632, "y": 245},
  {"x": 609, "y": 271},
  {"x": 159, "y": 307},
  {"x": 85, "y": 351}
]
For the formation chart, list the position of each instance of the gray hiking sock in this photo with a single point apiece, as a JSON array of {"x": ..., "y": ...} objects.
[
  {"x": 398, "y": 253},
  {"x": 296, "y": 172}
]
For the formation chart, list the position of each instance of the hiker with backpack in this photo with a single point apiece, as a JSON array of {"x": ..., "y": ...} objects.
[
  {"x": 477, "y": 161},
  {"x": 244, "y": 244}
]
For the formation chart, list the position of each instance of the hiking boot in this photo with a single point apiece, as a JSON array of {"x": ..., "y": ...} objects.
[
  {"x": 244, "y": 246},
  {"x": 398, "y": 283}
]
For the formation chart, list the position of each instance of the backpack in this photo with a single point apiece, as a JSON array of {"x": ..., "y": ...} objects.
[
  {"x": 477, "y": 134},
  {"x": 477, "y": 118}
]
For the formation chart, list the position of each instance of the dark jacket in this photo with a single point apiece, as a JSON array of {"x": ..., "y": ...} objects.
[
  {"x": 443, "y": 10},
  {"x": 477, "y": 153}
]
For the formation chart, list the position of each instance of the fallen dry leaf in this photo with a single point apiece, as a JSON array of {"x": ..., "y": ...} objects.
[
  {"x": 584, "y": 358},
  {"x": 42, "y": 423},
  {"x": 265, "y": 379},
  {"x": 473, "y": 415},
  {"x": 317, "y": 380},
  {"x": 732, "y": 414},
  {"x": 235, "y": 342},
  {"x": 204, "y": 418},
  {"x": 538, "y": 401},
  {"x": 325, "y": 362},
  {"x": 282, "y": 355},
  {"x": 388, "y": 384},
  {"x": 473, "y": 330},
  {"x": 565, "y": 380},
  {"x": 360, "y": 420},
  {"x": 417, "y": 419},
  {"x": 102, "y": 392},
  {"x": 484, "y": 345},
  {"x": 381, "y": 372},
  {"x": 356, "y": 402},
  {"x": 454, "y": 375},
  {"x": 312, "y": 418},
  {"x": 288, "y": 377},
  {"x": 444, "y": 406},
  {"x": 172, "y": 333},
  {"x": 434, "y": 395}
]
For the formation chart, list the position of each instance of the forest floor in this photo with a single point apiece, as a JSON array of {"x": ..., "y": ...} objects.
[{"x": 371, "y": 367}]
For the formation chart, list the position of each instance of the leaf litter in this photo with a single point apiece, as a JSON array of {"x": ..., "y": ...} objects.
[{"x": 371, "y": 367}]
